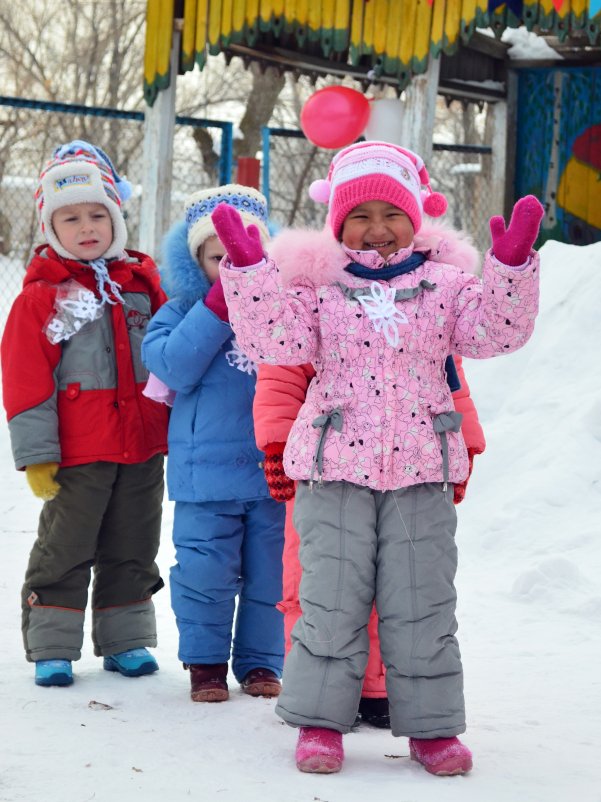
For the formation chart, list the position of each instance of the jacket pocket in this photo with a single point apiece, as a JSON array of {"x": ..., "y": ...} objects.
[{"x": 89, "y": 425}]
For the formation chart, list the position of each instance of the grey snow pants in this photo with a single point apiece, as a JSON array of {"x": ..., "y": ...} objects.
[
  {"x": 107, "y": 516},
  {"x": 397, "y": 547}
]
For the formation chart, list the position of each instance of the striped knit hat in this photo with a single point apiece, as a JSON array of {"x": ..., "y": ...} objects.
[
  {"x": 79, "y": 172},
  {"x": 368, "y": 171},
  {"x": 251, "y": 204}
]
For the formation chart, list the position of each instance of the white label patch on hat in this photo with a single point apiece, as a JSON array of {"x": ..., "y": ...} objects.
[
  {"x": 406, "y": 176},
  {"x": 83, "y": 179}
]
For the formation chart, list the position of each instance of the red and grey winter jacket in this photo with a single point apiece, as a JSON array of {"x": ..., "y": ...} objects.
[{"x": 81, "y": 400}]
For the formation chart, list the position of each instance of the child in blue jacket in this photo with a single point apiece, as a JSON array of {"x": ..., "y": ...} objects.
[{"x": 228, "y": 532}]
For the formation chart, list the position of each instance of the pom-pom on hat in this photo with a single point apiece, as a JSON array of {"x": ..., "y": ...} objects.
[
  {"x": 251, "y": 204},
  {"x": 368, "y": 171},
  {"x": 79, "y": 172}
]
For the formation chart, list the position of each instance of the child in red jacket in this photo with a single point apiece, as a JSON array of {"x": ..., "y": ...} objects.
[{"x": 90, "y": 443}]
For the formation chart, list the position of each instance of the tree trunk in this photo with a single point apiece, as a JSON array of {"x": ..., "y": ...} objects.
[{"x": 264, "y": 94}]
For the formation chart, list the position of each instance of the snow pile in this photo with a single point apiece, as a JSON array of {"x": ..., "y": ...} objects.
[
  {"x": 542, "y": 414},
  {"x": 526, "y": 45},
  {"x": 529, "y": 609}
]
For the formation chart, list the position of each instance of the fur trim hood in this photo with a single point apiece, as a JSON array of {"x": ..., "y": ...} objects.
[
  {"x": 306, "y": 256},
  {"x": 181, "y": 275}
]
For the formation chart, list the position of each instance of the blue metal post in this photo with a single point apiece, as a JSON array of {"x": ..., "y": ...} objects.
[{"x": 226, "y": 159}]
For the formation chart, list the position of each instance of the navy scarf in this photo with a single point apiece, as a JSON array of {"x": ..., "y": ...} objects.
[
  {"x": 391, "y": 271},
  {"x": 388, "y": 272}
]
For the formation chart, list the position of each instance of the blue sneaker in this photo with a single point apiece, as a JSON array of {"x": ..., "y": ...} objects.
[
  {"x": 53, "y": 672},
  {"x": 133, "y": 663}
]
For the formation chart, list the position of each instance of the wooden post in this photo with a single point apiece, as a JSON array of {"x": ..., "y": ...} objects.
[
  {"x": 159, "y": 123},
  {"x": 552, "y": 183},
  {"x": 498, "y": 172},
  {"x": 419, "y": 109},
  {"x": 511, "y": 145}
]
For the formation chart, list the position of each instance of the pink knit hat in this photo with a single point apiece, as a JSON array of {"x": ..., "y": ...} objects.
[{"x": 368, "y": 171}]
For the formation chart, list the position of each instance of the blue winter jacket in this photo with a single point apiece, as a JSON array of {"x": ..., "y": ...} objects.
[{"x": 212, "y": 450}]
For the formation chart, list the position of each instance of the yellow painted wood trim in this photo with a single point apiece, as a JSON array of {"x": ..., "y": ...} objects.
[
  {"x": 157, "y": 53},
  {"x": 398, "y": 36},
  {"x": 423, "y": 27},
  {"x": 189, "y": 35},
  {"x": 151, "y": 44}
]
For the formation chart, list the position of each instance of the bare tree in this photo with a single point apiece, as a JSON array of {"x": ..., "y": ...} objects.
[
  {"x": 266, "y": 87},
  {"x": 86, "y": 53},
  {"x": 91, "y": 54}
]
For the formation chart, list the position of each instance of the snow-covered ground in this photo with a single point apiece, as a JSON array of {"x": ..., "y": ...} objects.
[{"x": 529, "y": 612}]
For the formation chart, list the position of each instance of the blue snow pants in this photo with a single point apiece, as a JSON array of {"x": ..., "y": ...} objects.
[{"x": 224, "y": 550}]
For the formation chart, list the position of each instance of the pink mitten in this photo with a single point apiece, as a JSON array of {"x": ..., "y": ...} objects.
[
  {"x": 243, "y": 245},
  {"x": 215, "y": 301},
  {"x": 512, "y": 246},
  {"x": 158, "y": 391}
]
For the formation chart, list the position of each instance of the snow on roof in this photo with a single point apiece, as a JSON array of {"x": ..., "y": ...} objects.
[{"x": 525, "y": 45}]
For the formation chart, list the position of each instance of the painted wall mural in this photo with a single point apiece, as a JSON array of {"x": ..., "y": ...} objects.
[{"x": 559, "y": 150}]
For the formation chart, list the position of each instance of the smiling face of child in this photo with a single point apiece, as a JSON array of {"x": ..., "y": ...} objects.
[
  {"x": 210, "y": 253},
  {"x": 377, "y": 226},
  {"x": 85, "y": 230}
]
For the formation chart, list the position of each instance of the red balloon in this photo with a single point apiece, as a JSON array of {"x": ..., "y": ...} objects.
[{"x": 334, "y": 116}]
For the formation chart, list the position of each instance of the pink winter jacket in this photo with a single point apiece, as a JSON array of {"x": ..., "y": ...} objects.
[
  {"x": 378, "y": 411},
  {"x": 281, "y": 392}
]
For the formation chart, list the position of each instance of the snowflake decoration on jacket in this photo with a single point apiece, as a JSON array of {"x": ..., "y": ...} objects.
[
  {"x": 237, "y": 359},
  {"x": 74, "y": 306},
  {"x": 380, "y": 307}
]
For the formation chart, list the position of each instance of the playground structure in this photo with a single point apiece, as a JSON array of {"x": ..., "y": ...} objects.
[{"x": 421, "y": 49}]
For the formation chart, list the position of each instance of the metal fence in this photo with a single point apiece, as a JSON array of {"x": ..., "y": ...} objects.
[
  {"x": 463, "y": 174},
  {"x": 290, "y": 164},
  {"x": 30, "y": 130}
]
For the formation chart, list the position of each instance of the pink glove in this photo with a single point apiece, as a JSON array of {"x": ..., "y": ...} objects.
[
  {"x": 512, "y": 246},
  {"x": 243, "y": 245},
  {"x": 215, "y": 301}
]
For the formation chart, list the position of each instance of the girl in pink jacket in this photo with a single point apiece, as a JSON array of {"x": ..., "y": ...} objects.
[
  {"x": 280, "y": 393},
  {"x": 377, "y": 446}
]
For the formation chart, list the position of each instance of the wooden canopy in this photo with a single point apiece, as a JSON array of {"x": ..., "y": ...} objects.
[{"x": 374, "y": 40}]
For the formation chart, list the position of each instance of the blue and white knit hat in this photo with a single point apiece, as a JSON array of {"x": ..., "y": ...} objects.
[
  {"x": 79, "y": 172},
  {"x": 251, "y": 204}
]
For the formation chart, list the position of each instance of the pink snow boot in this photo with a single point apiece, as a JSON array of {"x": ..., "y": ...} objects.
[
  {"x": 441, "y": 756},
  {"x": 319, "y": 751}
]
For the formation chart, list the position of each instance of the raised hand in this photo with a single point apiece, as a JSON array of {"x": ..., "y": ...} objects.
[
  {"x": 243, "y": 245},
  {"x": 512, "y": 246}
]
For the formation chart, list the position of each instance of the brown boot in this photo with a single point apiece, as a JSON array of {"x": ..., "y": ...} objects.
[
  {"x": 208, "y": 682},
  {"x": 261, "y": 682}
]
